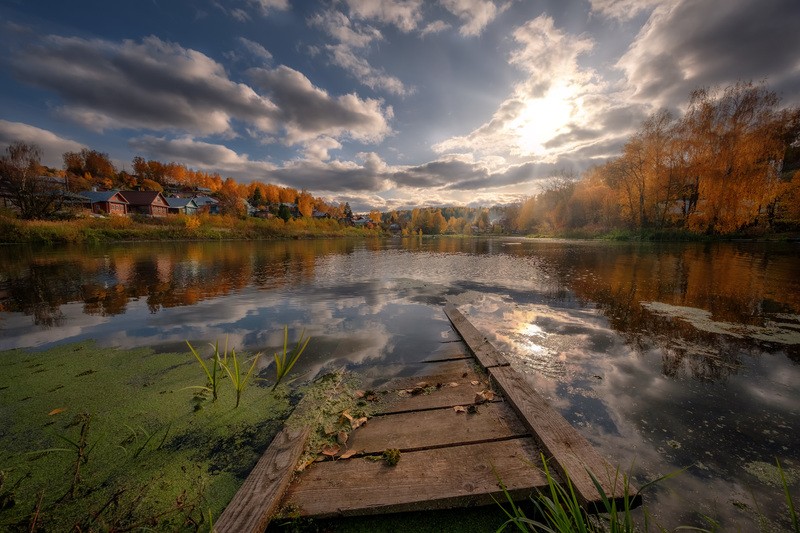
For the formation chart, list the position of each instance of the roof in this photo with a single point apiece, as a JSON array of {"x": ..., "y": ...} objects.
[
  {"x": 103, "y": 196},
  {"x": 142, "y": 197},
  {"x": 181, "y": 202},
  {"x": 205, "y": 200}
]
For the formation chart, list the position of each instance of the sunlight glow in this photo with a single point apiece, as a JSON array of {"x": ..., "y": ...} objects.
[{"x": 543, "y": 118}]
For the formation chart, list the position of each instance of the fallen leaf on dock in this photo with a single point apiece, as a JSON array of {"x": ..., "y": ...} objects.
[
  {"x": 330, "y": 450},
  {"x": 358, "y": 422},
  {"x": 345, "y": 416},
  {"x": 349, "y": 453},
  {"x": 459, "y": 409},
  {"x": 475, "y": 382},
  {"x": 484, "y": 396},
  {"x": 422, "y": 385},
  {"x": 305, "y": 464},
  {"x": 453, "y": 384},
  {"x": 342, "y": 437},
  {"x": 329, "y": 430},
  {"x": 359, "y": 394}
]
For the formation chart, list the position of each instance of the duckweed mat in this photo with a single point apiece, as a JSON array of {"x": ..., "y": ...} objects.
[{"x": 93, "y": 438}]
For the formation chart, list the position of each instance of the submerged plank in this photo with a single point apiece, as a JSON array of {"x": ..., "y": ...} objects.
[
  {"x": 481, "y": 348},
  {"x": 258, "y": 498},
  {"x": 572, "y": 453},
  {"x": 459, "y": 391},
  {"x": 440, "y": 372},
  {"x": 441, "y": 427},
  {"x": 442, "y": 478}
]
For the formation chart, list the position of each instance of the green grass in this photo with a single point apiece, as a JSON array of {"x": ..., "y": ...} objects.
[{"x": 285, "y": 361}]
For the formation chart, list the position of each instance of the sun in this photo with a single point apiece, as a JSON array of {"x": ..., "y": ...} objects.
[{"x": 541, "y": 119}]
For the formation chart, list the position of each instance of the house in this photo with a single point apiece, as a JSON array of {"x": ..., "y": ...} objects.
[
  {"x": 320, "y": 214},
  {"x": 206, "y": 204},
  {"x": 106, "y": 202},
  {"x": 146, "y": 203},
  {"x": 185, "y": 206}
]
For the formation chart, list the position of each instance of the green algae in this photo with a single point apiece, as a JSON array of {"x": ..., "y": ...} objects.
[
  {"x": 769, "y": 474},
  {"x": 151, "y": 461}
]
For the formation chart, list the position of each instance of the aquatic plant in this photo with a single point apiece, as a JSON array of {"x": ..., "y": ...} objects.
[
  {"x": 789, "y": 502},
  {"x": 284, "y": 362},
  {"x": 211, "y": 374},
  {"x": 559, "y": 510},
  {"x": 239, "y": 382}
]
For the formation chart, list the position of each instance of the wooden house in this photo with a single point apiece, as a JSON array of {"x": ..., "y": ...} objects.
[
  {"x": 146, "y": 203},
  {"x": 106, "y": 202},
  {"x": 185, "y": 206}
]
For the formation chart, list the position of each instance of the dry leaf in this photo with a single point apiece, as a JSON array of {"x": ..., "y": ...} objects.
[
  {"x": 348, "y": 454},
  {"x": 358, "y": 422},
  {"x": 330, "y": 449},
  {"x": 459, "y": 409},
  {"x": 422, "y": 385},
  {"x": 475, "y": 382},
  {"x": 484, "y": 396},
  {"x": 359, "y": 394},
  {"x": 329, "y": 430},
  {"x": 453, "y": 384},
  {"x": 342, "y": 437},
  {"x": 305, "y": 464},
  {"x": 56, "y": 411},
  {"x": 345, "y": 416}
]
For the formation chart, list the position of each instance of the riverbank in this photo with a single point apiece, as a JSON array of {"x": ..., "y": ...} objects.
[{"x": 172, "y": 228}]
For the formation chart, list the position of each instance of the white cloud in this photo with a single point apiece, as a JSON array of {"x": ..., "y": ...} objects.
[
  {"x": 434, "y": 27},
  {"x": 52, "y": 145},
  {"x": 269, "y": 5},
  {"x": 624, "y": 9},
  {"x": 405, "y": 14},
  {"x": 475, "y": 14},
  {"x": 203, "y": 156},
  {"x": 256, "y": 49},
  {"x": 317, "y": 149},
  {"x": 352, "y": 45},
  {"x": 307, "y": 112}
]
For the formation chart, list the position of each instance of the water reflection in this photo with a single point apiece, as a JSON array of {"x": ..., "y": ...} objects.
[{"x": 663, "y": 355}]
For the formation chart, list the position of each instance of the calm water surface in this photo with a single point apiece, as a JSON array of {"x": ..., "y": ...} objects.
[{"x": 664, "y": 356}]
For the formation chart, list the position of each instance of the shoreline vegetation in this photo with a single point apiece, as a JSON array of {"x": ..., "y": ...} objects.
[{"x": 221, "y": 227}]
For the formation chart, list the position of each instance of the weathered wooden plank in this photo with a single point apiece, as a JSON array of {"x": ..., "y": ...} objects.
[
  {"x": 441, "y": 427},
  {"x": 571, "y": 452},
  {"x": 258, "y": 498},
  {"x": 458, "y": 476},
  {"x": 446, "y": 396},
  {"x": 480, "y": 347},
  {"x": 433, "y": 373}
]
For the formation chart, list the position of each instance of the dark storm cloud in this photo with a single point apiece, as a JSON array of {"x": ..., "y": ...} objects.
[
  {"x": 715, "y": 43},
  {"x": 331, "y": 177},
  {"x": 513, "y": 175}
]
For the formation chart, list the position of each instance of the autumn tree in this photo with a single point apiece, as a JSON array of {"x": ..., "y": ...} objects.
[
  {"x": 93, "y": 166},
  {"x": 737, "y": 142},
  {"x": 305, "y": 203},
  {"x": 34, "y": 195}
]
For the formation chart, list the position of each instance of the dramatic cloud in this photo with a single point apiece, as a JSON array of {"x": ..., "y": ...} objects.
[
  {"x": 52, "y": 146},
  {"x": 694, "y": 44},
  {"x": 476, "y": 14},
  {"x": 202, "y": 156},
  {"x": 153, "y": 84},
  {"x": 306, "y": 112},
  {"x": 557, "y": 97}
]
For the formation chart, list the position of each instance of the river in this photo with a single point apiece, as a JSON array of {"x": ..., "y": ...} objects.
[{"x": 664, "y": 356}]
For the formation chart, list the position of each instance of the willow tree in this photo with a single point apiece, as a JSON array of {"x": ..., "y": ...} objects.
[{"x": 735, "y": 146}]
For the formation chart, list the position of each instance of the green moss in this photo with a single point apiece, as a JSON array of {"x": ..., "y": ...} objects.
[{"x": 151, "y": 459}]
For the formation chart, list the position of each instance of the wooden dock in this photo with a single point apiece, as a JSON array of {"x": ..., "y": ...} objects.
[{"x": 457, "y": 440}]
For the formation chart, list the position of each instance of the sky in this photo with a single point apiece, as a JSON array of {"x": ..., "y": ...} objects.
[{"x": 385, "y": 104}]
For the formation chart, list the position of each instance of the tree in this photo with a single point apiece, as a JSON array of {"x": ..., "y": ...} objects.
[
  {"x": 21, "y": 182},
  {"x": 284, "y": 213}
]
